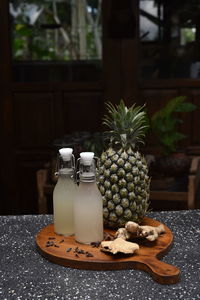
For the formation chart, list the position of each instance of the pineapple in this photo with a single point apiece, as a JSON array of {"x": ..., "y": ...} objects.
[{"x": 123, "y": 172}]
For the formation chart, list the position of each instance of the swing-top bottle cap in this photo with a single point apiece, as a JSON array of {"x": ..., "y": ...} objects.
[
  {"x": 87, "y": 157},
  {"x": 66, "y": 153},
  {"x": 87, "y": 167}
]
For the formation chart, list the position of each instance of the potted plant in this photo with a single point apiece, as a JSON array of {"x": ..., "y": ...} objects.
[{"x": 165, "y": 127}]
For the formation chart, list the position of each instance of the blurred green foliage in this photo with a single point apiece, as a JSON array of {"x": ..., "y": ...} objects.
[
  {"x": 165, "y": 122},
  {"x": 42, "y": 40}
]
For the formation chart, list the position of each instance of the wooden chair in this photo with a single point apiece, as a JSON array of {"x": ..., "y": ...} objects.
[
  {"x": 41, "y": 185},
  {"x": 191, "y": 195}
]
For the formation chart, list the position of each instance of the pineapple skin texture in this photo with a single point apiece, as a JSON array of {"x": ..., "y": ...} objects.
[{"x": 124, "y": 183}]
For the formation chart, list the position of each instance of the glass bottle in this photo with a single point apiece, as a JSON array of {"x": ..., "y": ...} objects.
[
  {"x": 63, "y": 194},
  {"x": 88, "y": 207}
]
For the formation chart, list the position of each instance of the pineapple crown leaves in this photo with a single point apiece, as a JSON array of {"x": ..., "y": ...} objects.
[{"x": 128, "y": 125}]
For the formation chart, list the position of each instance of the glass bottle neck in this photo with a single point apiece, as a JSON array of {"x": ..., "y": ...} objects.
[
  {"x": 87, "y": 177},
  {"x": 87, "y": 171},
  {"x": 65, "y": 171}
]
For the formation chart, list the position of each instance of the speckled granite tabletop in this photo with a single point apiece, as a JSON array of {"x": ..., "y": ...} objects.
[{"x": 24, "y": 274}]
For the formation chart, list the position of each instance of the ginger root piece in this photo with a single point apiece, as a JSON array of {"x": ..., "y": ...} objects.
[
  {"x": 123, "y": 233},
  {"x": 151, "y": 233},
  {"x": 134, "y": 230},
  {"x": 119, "y": 245}
]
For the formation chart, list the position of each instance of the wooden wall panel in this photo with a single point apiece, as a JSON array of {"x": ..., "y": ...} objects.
[
  {"x": 156, "y": 98},
  {"x": 82, "y": 111},
  {"x": 34, "y": 119}
]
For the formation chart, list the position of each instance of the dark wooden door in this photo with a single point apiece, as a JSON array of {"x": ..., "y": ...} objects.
[{"x": 34, "y": 114}]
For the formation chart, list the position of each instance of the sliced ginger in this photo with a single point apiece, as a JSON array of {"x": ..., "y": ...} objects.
[{"x": 119, "y": 245}]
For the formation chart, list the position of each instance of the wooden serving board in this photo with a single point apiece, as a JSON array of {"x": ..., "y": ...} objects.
[{"x": 61, "y": 250}]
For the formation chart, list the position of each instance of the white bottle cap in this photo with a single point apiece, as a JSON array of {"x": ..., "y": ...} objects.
[
  {"x": 66, "y": 153},
  {"x": 87, "y": 157}
]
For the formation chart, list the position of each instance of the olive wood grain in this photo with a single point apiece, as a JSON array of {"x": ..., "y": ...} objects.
[{"x": 146, "y": 258}]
